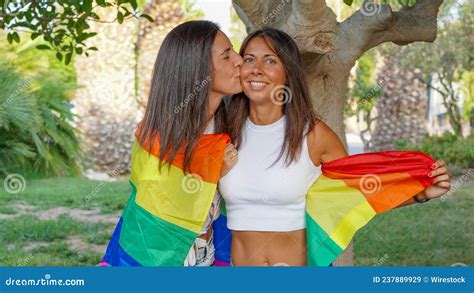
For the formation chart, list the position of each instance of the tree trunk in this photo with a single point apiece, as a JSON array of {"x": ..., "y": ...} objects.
[
  {"x": 330, "y": 48},
  {"x": 401, "y": 110}
]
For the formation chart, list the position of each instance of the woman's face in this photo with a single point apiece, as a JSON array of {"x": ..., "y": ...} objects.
[
  {"x": 261, "y": 71},
  {"x": 226, "y": 62}
]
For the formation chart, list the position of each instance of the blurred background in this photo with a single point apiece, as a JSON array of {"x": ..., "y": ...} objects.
[{"x": 66, "y": 130}]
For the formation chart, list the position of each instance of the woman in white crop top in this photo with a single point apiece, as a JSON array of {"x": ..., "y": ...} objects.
[{"x": 281, "y": 146}]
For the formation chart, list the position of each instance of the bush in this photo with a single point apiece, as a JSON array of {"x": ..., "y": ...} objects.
[
  {"x": 36, "y": 122},
  {"x": 457, "y": 152}
]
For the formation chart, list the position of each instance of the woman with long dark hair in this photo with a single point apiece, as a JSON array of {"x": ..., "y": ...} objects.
[
  {"x": 294, "y": 197},
  {"x": 180, "y": 152}
]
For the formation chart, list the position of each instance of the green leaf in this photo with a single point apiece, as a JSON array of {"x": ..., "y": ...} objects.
[
  {"x": 79, "y": 50},
  {"x": 120, "y": 17},
  {"x": 101, "y": 3},
  {"x": 59, "y": 56},
  {"x": 70, "y": 24},
  {"x": 34, "y": 35},
  {"x": 127, "y": 12},
  {"x": 68, "y": 58},
  {"x": 348, "y": 2},
  {"x": 93, "y": 49},
  {"x": 16, "y": 37},
  {"x": 84, "y": 36},
  {"x": 43, "y": 47},
  {"x": 134, "y": 4},
  {"x": 57, "y": 39},
  {"x": 9, "y": 38},
  {"x": 87, "y": 6},
  {"x": 94, "y": 15},
  {"x": 147, "y": 17}
]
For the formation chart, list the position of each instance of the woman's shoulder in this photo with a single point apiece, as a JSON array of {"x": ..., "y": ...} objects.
[{"x": 323, "y": 143}]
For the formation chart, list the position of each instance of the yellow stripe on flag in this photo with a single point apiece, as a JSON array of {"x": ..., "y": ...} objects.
[
  {"x": 353, "y": 221},
  {"x": 183, "y": 200},
  {"x": 329, "y": 201}
]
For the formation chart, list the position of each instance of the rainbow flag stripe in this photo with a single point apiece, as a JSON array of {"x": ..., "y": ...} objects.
[
  {"x": 348, "y": 194},
  {"x": 166, "y": 210}
]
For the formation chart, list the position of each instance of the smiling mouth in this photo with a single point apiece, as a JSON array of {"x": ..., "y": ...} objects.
[{"x": 257, "y": 85}]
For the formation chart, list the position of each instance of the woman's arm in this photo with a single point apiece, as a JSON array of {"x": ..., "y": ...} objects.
[{"x": 324, "y": 146}]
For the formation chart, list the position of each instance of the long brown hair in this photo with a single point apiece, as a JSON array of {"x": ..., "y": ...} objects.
[
  {"x": 298, "y": 109},
  {"x": 177, "y": 108}
]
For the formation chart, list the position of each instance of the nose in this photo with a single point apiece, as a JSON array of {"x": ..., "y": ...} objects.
[{"x": 256, "y": 69}]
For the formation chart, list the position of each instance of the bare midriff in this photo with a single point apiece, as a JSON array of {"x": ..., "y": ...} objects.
[{"x": 254, "y": 248}]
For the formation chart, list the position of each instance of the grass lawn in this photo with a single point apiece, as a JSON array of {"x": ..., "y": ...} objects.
[
  {"x": 436, "y": 233},
  {"x": 68, "y": 222},
  {"x": 59, "y": 221}
]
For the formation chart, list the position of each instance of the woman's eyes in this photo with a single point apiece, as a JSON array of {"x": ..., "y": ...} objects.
[
  {"x": 248, "y": 60},
  {"x": 227, "y": 57},
  {"x": 268, "y": 61}
]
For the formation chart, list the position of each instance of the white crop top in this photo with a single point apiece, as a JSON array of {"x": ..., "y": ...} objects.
[{"x": 263, "y": 198}]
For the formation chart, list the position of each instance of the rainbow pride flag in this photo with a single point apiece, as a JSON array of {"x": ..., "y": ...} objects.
[
  {"x": 166, "y": 210},
  {"x": 348, "y": 194}
]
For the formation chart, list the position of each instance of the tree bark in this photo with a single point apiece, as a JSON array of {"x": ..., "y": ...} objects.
[{"x": 330, "y": 48}]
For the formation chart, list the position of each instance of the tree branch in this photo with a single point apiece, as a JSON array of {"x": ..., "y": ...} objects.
[
  {"x": 250, "y": 12},
  {"x": 374, "y": 24},
  {"x": 311, "y": 23},
  {"x": 313, "y": 26}
]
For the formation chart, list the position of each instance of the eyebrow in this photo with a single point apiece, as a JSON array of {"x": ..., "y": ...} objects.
[{"x": 226, "y": 50}]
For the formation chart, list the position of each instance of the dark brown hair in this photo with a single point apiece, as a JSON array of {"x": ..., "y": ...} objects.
[
  {"x": 177, "y": 109},
  {"x": 298, "y": 110}
]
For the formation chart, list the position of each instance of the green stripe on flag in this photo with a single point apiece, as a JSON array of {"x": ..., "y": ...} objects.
[
  {"x": 321, "y": 249},
  {"x": 150, "y": 240}
]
